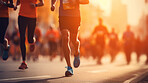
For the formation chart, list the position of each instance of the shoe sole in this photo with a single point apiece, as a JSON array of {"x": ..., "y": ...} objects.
[
  {"x": 76, "y": 63},
  {"x": 23, "y": 68},
  {"x": 68, "y": 74}
]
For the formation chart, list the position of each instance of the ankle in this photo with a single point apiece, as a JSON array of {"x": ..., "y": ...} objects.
[
  {"x": 69, "y": 67},
  {"x": 77, "y": 54},
  {"x": 23, "y": 62}
]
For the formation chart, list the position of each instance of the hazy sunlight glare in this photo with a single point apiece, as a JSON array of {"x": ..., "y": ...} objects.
[{"x": 105, "y": 5}]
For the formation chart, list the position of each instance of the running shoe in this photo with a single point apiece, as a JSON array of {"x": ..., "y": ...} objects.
[
  {"x": 69, "y": 72},
  {"x": 76, "y": 62},
  {"x": 6, "y": 53},
  {"x": 23, "y": 66}
]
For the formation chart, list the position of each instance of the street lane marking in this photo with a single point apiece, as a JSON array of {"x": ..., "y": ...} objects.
[
  {"x": 97, "y": 71},
  {"x": 23, "y": 78}
]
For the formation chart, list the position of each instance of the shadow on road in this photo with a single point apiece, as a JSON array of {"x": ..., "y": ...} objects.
[
  {"x": 41, "y": 80},
  {"x": 13, "y": 71},
  {"x": 18, "y": 71}
]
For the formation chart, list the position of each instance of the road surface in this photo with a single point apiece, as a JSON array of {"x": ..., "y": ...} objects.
[{"x": 45, "y": 71}]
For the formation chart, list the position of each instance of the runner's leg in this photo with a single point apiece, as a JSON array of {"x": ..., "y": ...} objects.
[
  {"x": 22, "y": 22},
  {"x": 31, "y": 30},
  {"x": 65, "y": 45},
  {"x": 74, "y": 39},
  {"x": 3, "y": 41},
  {"x": 3, "y": 26}
]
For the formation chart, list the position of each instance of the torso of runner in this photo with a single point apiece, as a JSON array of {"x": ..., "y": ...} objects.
[
  {"x": 69, "y": 10},
  {"x": 113, "y": 39},
  {"x": 51, "y": 35},
  {"x": 4, "y": 10},
  {"x": 27, "y": 10},
  {"x": 101, "y": 32},
  {"x": 128, "y": 38},
  {"x": 67, "y": 5}
]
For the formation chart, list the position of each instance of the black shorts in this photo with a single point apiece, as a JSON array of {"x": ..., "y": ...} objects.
[{"x": 70, "y": 23}]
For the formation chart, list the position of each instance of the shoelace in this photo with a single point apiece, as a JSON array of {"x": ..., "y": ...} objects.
[{"x": 69, "y": 69}]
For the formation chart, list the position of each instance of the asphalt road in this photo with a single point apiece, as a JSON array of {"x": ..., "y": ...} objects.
[{"x": 45, "y": 71}]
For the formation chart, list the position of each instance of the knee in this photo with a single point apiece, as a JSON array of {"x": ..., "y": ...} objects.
[{"x": 65, "y": 35}]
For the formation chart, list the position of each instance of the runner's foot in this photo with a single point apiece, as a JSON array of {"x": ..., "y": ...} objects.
[
  {"x": 23, "y": 66},
  {"x": 77, "y": 60},
  {"x": 69, "y": 72},
  {"x": 5, "y": 54}
]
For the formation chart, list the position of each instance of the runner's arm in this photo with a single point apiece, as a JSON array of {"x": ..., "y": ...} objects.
[
  {"x": 41, "y": 3},
  {"x": 53, "y": 2},
  {"x": 53, "y": 5},
  {"x": 17, "y": 3},
  {"x": 10, "y": 5}
]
